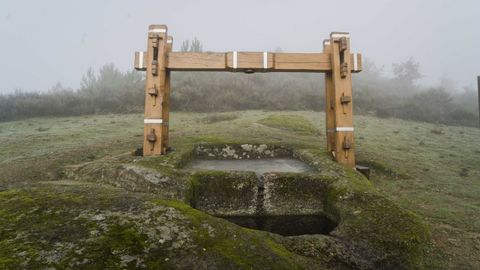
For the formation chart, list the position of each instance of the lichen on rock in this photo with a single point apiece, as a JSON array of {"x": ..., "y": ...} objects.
[{"x": 145, "y": 232}]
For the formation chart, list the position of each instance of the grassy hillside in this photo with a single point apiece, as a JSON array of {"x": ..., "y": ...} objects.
[{"x": 431, "y": 170}]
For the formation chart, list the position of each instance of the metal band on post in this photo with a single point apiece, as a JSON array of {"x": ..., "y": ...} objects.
[
  {"x": 344, "y": 129},
  {"x": 235, "y": 60},
  {"x": 153, "y": 121},
  {"x": 265, "y": 60},
  {"x": 158, "y": 30}
]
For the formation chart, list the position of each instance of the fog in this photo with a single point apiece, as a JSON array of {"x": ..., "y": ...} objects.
[{"x": 45, "y": 42}]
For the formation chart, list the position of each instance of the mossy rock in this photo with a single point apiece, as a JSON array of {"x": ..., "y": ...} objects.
[
  {"x": 240, "y": 151},
  {"x": 92, "y": 227},
  {"x": 372, "y": 232},
  {"x": 224, "y": 193},
  {"x": 295, "y": 193}
]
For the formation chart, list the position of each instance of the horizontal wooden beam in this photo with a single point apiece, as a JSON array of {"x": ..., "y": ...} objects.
[
  {"x": 250, "y": 62},
  {"x": 254, "y": 62},
  {"x": 196, "y": 61},
  {"x": 303, "y": 62}
]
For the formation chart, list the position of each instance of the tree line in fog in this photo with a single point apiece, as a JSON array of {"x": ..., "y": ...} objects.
[{"x": 109, "y": 90}]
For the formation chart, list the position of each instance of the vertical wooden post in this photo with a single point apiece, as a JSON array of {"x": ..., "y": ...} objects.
[
  {"x": 329, "y": 103},
  {"x": 478, "y": 87},
  {"x": 166, "y": 101},
  {"x": 342, "y": 94},
  {"x": 155, "y": 90}
]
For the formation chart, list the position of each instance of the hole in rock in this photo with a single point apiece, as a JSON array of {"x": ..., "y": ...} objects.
[
  {"x": 259, "y": 166},
  {"x": 290, "y": 225}
]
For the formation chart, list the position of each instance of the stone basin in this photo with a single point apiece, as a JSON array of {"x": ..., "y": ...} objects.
[{"x": 258, "y": 166}]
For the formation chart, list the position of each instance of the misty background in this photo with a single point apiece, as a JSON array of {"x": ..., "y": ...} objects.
[{"x": 72, "y": 57}]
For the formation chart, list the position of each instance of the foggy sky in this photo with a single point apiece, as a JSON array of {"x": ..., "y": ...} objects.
[{"x": 45, "y": 42}]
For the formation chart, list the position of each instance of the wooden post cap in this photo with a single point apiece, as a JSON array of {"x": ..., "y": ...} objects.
[
  {"x": 157, "y": 28},
  {"x": 337, "y": 35}
]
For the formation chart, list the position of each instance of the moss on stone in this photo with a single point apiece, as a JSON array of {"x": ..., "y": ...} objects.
[
  {"x": 103, "y": 228},
  {"x": 295, "y": 193},
  {"x": 372, "y": 232},
  {"x": 390, "y": 236},
  {"x": 224, "y": 193},
  {"x": 235, "y": 247},
  {"x": 393, "y": 236}
]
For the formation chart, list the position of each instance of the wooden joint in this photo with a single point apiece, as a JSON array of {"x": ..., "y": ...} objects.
[
  {"x": 344, "y": 70},
  {"x": 343, "y": 44},
  {"x": 152, "y": 137},
  {"x": 345, "y": 99},
  {"x": 153, "y": 91},
  {"x": 154, "y": 67},
  {"x": 347, "y": 144},
  {"x": 155, "y": 39}
]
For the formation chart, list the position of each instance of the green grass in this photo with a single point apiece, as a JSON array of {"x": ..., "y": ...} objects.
[
  {"x": 431, "y": 170},
  {"x": 218, "y": 117},
  {"x": 295, "y": 123}
]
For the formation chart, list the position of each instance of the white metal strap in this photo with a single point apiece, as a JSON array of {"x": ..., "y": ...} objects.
[
  {"x": 158, "y": 30},
  {"x": 140, "y": 60},
  {"x": 265, "y": 60},
  {"x": 235, "y": 63},
  {"x": 153, "y": 121},
  {"x": 355, "y": 62},
  {"x": 339, "y": 35},
  {"x": 344, "y": 129},
  {"x": 340, "y": 129}
]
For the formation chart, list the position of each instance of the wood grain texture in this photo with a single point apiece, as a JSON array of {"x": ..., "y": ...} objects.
[
  {"x": 166, "y": 101},
  {"x": 276, "y": 62},
  {"x": 196, "y": 61},
  {"x": 329, "y": 104},
  {"x": 302, "y": 62},
  {"x": 335, "y": 60},
  {"x": 343, "y": 112},
  {"x": 153, "y": 104}
]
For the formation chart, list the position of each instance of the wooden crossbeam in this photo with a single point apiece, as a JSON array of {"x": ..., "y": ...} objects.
[
  {"x": 196, "y": 61},
  {"x": 255, "y": 62}
]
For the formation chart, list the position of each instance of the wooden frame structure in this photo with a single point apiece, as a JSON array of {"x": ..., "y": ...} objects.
[{"x": 335, "y": 61}]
